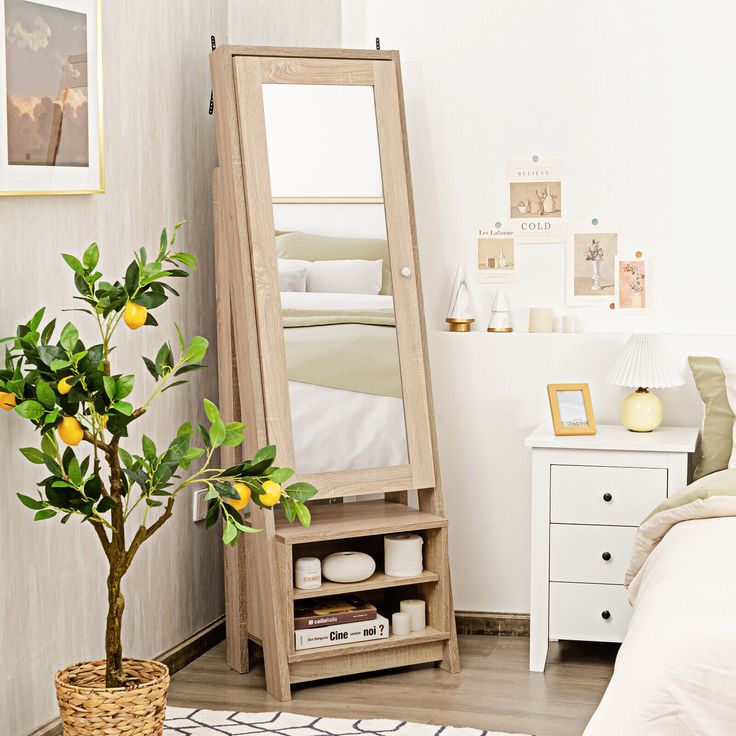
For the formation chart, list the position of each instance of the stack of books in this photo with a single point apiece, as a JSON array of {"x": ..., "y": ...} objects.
[{"x": 325, "y": 622}]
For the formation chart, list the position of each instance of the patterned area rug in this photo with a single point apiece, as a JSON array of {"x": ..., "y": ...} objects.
[{"x": 191, "y": 722}]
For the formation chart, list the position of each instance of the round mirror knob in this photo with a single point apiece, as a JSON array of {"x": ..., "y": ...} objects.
[
  {"x": 606, "y": 556},
  {"x": 406, "y": 272},
  {"x": 606, "y": 615},
  {"x": 607, "y": 497}
]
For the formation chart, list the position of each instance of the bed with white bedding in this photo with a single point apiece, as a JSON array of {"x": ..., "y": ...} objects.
[
  {"x": 344, "y": 380},
  {"x": 675, "y": 673}
]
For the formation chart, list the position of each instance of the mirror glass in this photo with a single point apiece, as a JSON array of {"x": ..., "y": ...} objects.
[
  {"x": 339, "y": 322},
  {"x": 322, "y": 141},
  {"x": 572, "y": 408}
]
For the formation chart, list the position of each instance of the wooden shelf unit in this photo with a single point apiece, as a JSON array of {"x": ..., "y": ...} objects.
[
  {"x": 377, "y": 581},
  {"x": 341, "y": 650},
  {"x": 359, "y": 519}
]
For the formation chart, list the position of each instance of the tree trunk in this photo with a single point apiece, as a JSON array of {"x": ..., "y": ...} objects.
[{"x": 114, "y": 675}]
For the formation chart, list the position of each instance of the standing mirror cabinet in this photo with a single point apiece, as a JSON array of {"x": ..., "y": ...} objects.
[{"x": 322, "y": 346}]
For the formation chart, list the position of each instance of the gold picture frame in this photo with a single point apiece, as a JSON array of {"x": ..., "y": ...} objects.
[{"x": 575, "y": 416}]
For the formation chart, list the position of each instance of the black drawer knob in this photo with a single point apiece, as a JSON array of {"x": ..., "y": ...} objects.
[
  {"x": 606, "y": 556},
  {"x": 607, "y": 497},
  {"x": 606, "y": 615}
]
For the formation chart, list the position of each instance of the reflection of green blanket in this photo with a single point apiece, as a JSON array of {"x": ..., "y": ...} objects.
[
  {"x": 314, "y": 317},
  {"x": 355, "y": 357}
]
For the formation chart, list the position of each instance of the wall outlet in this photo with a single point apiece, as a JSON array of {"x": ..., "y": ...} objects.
[{"x": 199, "y": 505}]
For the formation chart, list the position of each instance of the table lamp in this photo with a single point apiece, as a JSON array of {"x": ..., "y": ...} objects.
[{"x": 643, "y": 364}]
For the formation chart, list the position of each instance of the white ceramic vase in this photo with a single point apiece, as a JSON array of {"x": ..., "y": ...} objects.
[{"x": 596, "y": 286}]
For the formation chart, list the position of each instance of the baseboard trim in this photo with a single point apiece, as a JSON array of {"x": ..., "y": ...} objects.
[
  {"x": 176, "y": 658},
  {"x": 492, "y": 624}
]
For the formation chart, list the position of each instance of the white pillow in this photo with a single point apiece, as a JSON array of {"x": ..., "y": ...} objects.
[
  {"x": 345, "y": 277},
  {"x": 729, "y": 372},
  {"x": 292, "y": 275}
]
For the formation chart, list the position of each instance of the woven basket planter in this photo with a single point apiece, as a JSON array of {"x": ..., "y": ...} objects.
[{"x": 88, "y": 708}]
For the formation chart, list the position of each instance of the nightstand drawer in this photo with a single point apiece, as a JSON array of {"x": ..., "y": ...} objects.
[
  {"x": 589, "y": 554},
  {"x": 589, "y": 494},
  {"x": 588, "y": 612}
]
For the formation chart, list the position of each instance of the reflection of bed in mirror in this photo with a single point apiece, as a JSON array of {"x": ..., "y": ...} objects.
[{"x": 341, "y": 352}]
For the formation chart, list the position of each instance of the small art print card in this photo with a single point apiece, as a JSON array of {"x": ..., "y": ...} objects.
[
  {"x": 590, "y": 264},
  {"x": 535, "y": 199},
  {"x": 633, "y": 284},
  {"x": 496, "y": 256}
]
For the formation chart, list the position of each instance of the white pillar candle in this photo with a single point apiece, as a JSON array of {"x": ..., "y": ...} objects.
[
  {"x": 401, "y": 623},
  {"x": 417, "y": 611},
  {"x": 541, "y": 319},
  {"x": 571, "y": 323}
]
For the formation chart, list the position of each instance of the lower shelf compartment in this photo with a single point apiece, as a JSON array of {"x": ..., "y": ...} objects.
[{"x": 420, "y": 637}]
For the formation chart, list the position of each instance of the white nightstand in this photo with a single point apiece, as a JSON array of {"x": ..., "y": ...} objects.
[{"x": 589, "y": 495}]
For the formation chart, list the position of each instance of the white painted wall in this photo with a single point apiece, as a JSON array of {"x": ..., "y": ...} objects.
[{"x": 630, "y": 96}]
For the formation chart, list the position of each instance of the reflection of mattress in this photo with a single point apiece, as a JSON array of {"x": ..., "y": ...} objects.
[{"x": 336, "y": 429}]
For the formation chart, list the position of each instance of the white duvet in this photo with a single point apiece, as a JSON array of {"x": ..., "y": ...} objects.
[{"x": 676, "y": 670}]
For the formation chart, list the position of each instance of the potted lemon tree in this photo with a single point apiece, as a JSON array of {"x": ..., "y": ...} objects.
[{"x": 80, "y": 407}]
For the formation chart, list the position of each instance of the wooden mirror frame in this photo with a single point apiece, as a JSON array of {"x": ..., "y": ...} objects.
[{"x": 252, "y": 69}]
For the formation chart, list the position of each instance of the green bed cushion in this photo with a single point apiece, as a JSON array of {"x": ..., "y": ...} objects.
[{"x": 717, "y": 442}]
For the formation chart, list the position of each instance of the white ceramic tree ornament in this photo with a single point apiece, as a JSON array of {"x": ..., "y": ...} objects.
[
  {"x": 460, "y": 311},
  {"x": 500, "y": 317}
]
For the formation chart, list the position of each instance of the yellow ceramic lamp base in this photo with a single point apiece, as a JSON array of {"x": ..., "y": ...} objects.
[{"x": 641, "y": 411}]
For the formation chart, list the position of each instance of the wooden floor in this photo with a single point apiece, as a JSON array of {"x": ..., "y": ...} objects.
[{"x": 495, "y": 690}]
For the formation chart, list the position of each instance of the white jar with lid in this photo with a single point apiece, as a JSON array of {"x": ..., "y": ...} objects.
[{"x": 308, "y": 573}]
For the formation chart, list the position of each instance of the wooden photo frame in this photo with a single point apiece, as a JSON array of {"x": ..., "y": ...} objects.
[{"x": 572, "y": 409}]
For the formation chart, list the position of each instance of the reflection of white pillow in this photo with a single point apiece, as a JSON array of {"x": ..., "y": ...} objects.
[
  {"x": 729, "y": 372},
  {"x": 292, "y": 275},
  {"x": 345, "y": 277}
]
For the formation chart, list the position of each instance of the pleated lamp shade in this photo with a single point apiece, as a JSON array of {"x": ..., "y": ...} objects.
[{"x": 645, "y": 363}]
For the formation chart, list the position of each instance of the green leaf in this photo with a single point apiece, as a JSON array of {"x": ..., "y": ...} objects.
[
  {"x": 48, "y": 331},
  {"x": 301, "y": 491},
  {"x": 213, "y": 513},
  {"x": 91, "y": 257},
  {"x": 151, "y": 366},
  {"x": 172, "y": 385},
  {"x": 280, "y": 475},
  {"x": 187, "y": 259},
  {"x": 69, "y": 337},
  {"x": 132, "y": 276},
  {"x": 189, "y": 368},
  {"x": 106, "y": 504},
  {"x": 44, "y": 514},
  {"x": 233, "y": 434},
  {"x": 182, "y": 343},
  {"x": 126, "y": 458},
  {"x": 31, "y": 503},
  {"x": 66, "y": 517},
  {"x": 75, "y": 472},
  {"x": 185, "y": 428},
  {"x": 36, "y": 319},
  {"x": 152, "y": 504},
  {"x": 217, "y": 432},
  {"x": 58, "y": 365},
  {"x": 212, "y": 493},
  {"x": 73, "y": 263},
  {"x": 109, "y": 384},
  {"x": 45, "y": 394},
  {"x": 123, "y": 407},
  {"x": 289, "y": 507},
  {"x": 149, "y": 448},
  {"x": 124, "y": 386},
  {"x": 163, "y": 245},
  {"x": 33, "y": 455},
  {"x": 265, "y": 453},
  {"x": 49, "y": 444},
  {"x": 212, "y": 412},
  {"x": 30, "y": 410},
  {"x": 229, "y": 534},
  {"x": 197, "y": 350},
  {"x": 303, "y": 513}
]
